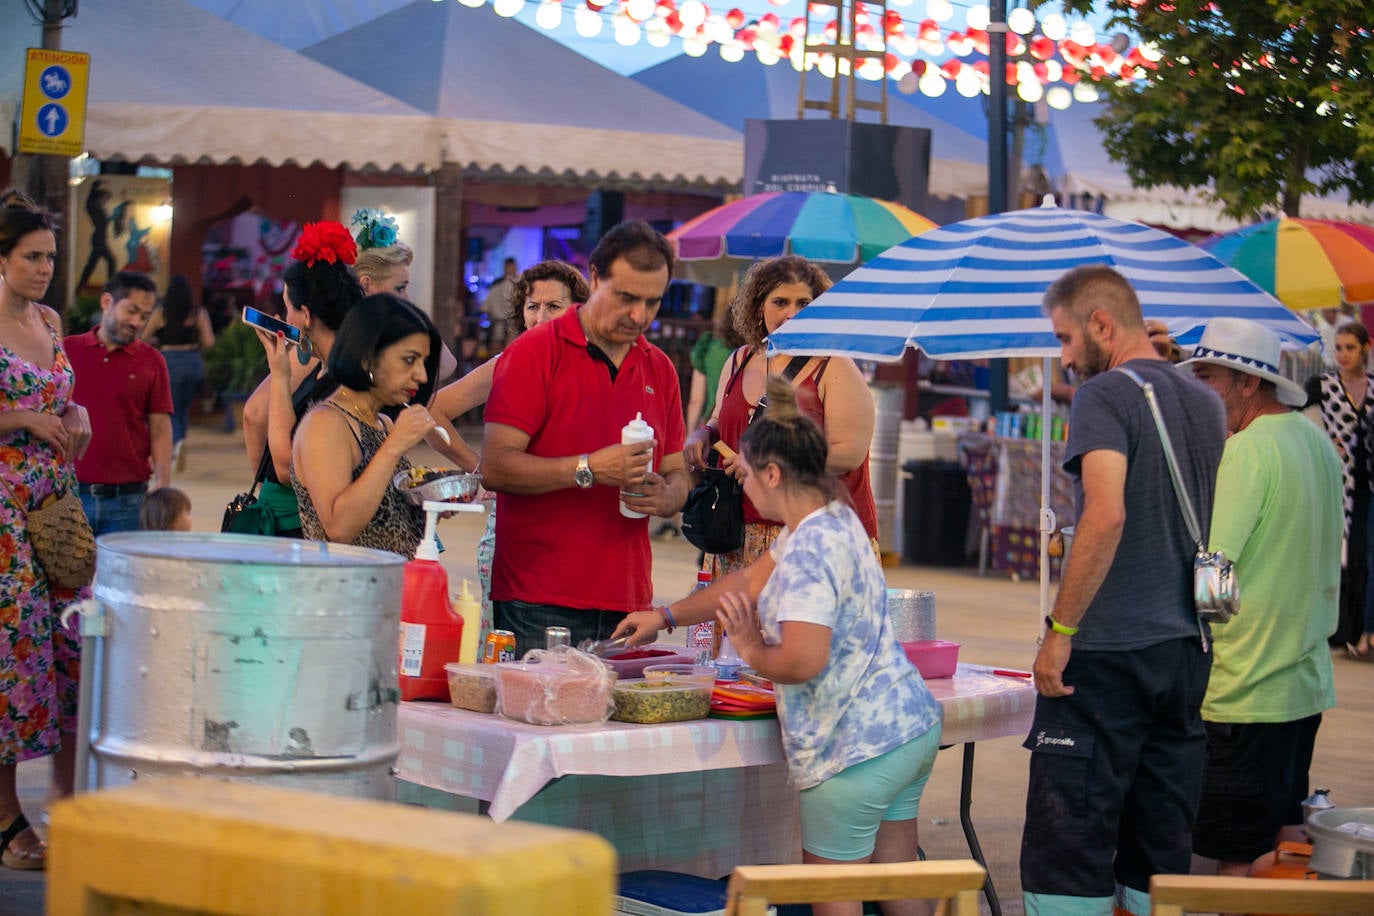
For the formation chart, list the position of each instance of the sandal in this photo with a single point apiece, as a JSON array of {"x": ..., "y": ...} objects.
[
  {"x": 33, "y": 860},
  {"x": 1359, "y": 651}
]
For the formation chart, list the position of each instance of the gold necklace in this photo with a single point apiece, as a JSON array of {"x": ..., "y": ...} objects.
[{"x": 354, "y": 412}]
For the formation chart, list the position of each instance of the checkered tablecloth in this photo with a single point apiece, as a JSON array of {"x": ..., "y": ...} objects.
[{"x": 506, "y": 762}]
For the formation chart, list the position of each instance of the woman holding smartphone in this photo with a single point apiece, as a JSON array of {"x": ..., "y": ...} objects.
[{"x": 319, "y": 291}]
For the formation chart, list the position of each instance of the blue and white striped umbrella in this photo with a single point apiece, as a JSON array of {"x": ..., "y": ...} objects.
[{"x": 973, "y": 289}]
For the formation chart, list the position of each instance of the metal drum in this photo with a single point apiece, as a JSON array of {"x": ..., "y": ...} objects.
[{"x": 241, "y": 657}]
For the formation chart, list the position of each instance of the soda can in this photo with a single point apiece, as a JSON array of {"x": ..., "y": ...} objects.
[
  {"x": 557, "y": 636},
  {"x": 1057, "y": 428},
  {"x": 500, "y": 647}
]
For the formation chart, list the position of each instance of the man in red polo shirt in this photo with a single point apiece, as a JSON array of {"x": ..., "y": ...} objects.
[
  {"x": 565, "y": 555},
  {"x": 122, "y": 382}
]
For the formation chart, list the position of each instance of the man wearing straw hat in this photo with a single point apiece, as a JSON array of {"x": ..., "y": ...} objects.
[
  {"x": 1277, "y": 515},
  {"x": 1117, "y": 745}
]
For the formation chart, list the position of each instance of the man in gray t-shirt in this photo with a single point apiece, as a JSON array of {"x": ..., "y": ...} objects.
[{"x": 1117, "y": 743}]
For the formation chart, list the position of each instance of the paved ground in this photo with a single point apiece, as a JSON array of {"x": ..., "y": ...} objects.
[{"x": 996, "y": 620}]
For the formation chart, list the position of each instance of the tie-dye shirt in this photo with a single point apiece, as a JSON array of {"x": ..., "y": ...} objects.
[{"x": 868, "y": 699}]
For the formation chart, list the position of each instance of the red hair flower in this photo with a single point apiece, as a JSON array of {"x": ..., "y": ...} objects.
[{"x": 325, "y": 241}]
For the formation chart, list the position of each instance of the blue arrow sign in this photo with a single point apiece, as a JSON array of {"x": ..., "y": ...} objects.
[{"x": 52, "y": 120}]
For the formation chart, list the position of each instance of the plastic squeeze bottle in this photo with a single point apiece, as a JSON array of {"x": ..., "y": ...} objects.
[
  {"x": 469, "y": 608},
  {"x": 701, "y": 637},
  {"x": 636, "y": 431},
  {"x": 431, "y": 633}
]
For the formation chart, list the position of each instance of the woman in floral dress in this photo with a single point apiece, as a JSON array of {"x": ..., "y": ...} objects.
[{"x": 41, "y": 434}]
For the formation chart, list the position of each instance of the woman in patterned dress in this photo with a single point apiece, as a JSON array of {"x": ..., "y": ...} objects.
[
  {"x": 346, "y": 450},
  {"x": 41, "y": 435},
  {"x": 859, "y": 727},
  {"x": 1346, "y": 413}
]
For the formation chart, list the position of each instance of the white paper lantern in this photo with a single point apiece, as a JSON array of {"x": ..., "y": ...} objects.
[{"x": 549, "y": 16}]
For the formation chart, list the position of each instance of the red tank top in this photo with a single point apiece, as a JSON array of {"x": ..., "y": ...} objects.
[{"x": 736, "y": 411}]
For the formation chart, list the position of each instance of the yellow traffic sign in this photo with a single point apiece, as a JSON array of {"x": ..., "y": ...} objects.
[{"x": 53, "y": 121}]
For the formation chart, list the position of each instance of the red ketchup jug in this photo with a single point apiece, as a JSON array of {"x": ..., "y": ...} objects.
[{"x": 431, "y": 633}]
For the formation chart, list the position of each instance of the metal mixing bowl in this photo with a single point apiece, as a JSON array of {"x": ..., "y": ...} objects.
[{"x": 456, "y": 487}]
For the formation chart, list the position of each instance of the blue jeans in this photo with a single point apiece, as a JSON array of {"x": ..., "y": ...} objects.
[
  {"x": 108, "y": 514},
  {"x": 186, "y": 373}
]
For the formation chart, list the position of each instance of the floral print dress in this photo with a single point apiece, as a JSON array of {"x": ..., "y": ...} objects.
[{"x": 39, "y": 659}]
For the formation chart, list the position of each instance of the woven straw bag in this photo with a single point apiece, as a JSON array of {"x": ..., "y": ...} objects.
[{"x": 63, "y": 541}]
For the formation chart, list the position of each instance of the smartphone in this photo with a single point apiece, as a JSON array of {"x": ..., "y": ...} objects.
[{"x": 270, "y": 323}]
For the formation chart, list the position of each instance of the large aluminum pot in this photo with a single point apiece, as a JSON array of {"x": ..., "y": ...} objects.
[{"x": 242, "y": 657}]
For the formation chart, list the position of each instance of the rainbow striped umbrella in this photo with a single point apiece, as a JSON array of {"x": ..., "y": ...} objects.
[
  {"x": 838, "y": 231},
  {"x": 1306, "y": 263}
]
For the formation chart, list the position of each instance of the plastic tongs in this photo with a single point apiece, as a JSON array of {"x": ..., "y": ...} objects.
[{"x": 600, "y": 647}]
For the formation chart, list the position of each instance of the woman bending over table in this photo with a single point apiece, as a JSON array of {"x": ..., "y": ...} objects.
[
  {"x": 859, "y": 728},
  {"x": 346, "y": 451}
]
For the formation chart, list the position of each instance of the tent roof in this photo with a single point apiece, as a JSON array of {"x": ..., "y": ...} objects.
[
  {"x": 514, "y": 102},
  {"x": 173, "y": 83},
  {"x": 732, "y": 92}
]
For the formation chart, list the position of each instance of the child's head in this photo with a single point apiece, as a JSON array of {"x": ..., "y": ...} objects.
[{"x": 165, "y": 509}]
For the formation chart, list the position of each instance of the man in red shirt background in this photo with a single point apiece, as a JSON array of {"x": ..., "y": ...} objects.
[
  {"x": 565, "y": 555},
  {"x": 122, "y": 382}
]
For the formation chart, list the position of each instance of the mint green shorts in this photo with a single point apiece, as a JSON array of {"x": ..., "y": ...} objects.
[{"x": 840, "y": 817}]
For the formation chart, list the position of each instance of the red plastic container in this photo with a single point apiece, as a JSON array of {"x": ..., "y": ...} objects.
[
  {"x": 631, "y": 663},
  {"x": 431, "y": 633},
  {"x": 934, "y": 658}
]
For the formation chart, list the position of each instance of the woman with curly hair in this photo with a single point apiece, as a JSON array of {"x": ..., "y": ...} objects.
[
  {"x": 540, "y": 293},
  {"x": 830, "y": 390}
]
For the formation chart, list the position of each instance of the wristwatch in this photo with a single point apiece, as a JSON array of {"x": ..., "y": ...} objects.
[{"x": 583, "y": 475}]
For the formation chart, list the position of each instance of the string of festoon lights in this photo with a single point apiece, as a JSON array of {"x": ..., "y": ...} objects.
[{"x": 1049, "y": 57}]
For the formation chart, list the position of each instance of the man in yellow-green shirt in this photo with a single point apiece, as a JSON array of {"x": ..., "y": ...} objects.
[{"x": 1278, "y": 516}]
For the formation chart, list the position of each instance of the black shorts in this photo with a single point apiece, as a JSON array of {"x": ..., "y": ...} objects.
[{"x": 1253, "y": 785}]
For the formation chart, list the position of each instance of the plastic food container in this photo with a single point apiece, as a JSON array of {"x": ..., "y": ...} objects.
[
  {"x": 680, "y": 674},
  {"x": 471, "y": 686},
  {"x": 554, "y": 687},
  {"x": 649, "y": 702},
  {"x": 632, "y": 662},
  {"x": 934, "y": 658}
]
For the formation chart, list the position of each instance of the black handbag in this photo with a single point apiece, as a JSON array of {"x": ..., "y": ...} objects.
[{"x": 713, "y": 516}]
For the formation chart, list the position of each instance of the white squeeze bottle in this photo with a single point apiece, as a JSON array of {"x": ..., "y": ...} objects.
[{"x": 636, "y": 431}]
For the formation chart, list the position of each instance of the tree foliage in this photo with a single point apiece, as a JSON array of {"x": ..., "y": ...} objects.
[{"x": 1259, "y": 102}]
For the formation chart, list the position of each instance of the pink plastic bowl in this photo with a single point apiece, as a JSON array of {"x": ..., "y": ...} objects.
[{"x": 934, "y": 658}]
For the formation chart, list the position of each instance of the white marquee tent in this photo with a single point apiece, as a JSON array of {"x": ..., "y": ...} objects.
[
  {"x": 513, "y": 102},
  {"x": 173, "y": 83}
]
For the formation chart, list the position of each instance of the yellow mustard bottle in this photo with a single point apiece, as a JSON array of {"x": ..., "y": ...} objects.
[{"x": 469, "y": 608}]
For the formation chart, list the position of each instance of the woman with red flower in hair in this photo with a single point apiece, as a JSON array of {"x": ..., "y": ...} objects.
[{"x": 319, "y": 290}]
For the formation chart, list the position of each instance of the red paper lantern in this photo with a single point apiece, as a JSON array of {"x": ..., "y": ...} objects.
[
  {"x": 769, "y": 21},
  {"x": 928, "y": 30},
  {"x": 890, "y": 62},
  {"x": 1042, "y": 48},
  {"x": 735, "y": 18},
  {"x": 785, "y": 45},
  {"x": 919, "y": 66},
  {"x": 951, "y": 68},
  {"x": 747, "y": 37}
]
